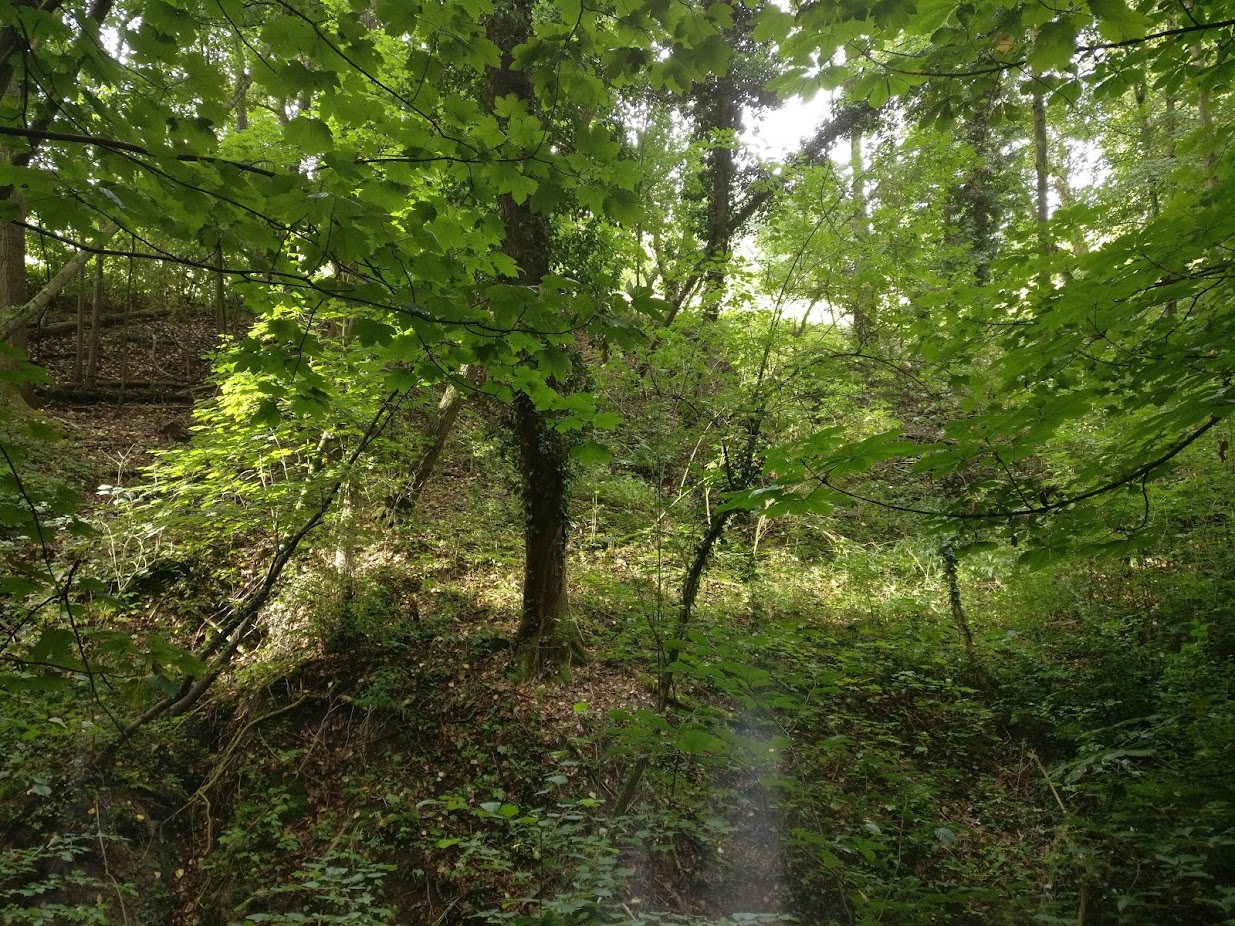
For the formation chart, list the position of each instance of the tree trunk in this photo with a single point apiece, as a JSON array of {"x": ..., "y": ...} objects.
[
  {"x": 722, "y": 119},
  {"x": 974, "y": 206},
  {"x": 22, "y": 315},
  {"x": 126, "y": 312},
  {"x": 96, "y": 322},
  {"x": 13, "y": 283},
  {"x": 17, "y": 86},
  {"x": 439, "y": 432},
  {"x": 547, "y": 640},
  {"x": 1042, "y": 174},
  {"x": 220, "y": 293},
  {"x": 686, "y": 609},
  {"x": 861, "y": 230},
  {"x": 948, "y": 552},
  {"x": 1145, "y": 117},
  {"x": 13, "y": 275},
  {"x": 79, "y": 344}
]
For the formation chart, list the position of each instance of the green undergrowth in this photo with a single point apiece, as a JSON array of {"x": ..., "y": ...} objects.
[{"x": 830, "y": 755}]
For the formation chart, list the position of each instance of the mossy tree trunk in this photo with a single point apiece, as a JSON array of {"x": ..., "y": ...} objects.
[{"x": 547, "y": 640}]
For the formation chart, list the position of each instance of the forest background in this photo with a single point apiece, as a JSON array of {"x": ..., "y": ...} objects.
[{"x": 448, "y": 476}]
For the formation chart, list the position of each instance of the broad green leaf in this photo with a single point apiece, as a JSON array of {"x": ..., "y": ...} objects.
[
  {"x": 309, "y": 135},
  {"x": 1117, "y": 22},
  {"x": 1054, "y": 47}
]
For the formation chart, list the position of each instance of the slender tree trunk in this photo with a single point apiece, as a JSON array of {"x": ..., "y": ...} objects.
[
  {"x": 861, "y": 230},
  {"x": 723, "y": 120},
  {"x": 686, "y": 608},
  {"x": 345, "y": 564},
  {"x": 1145, "y": 113},
  {"x": 96, "y": 317},
  {"x": 238, "y": 102},
  {"x": 220, "y": 293},
  {"x": 13, "y": 287},
  {"x": 13, "y": 282},
  {"x": 439, "y": 432},
  {"x": 124, "y": 323},
  {"x": 974, "y": 206},
  {"x": 79, "y": 353},
  {"x": 547, "y": 639},
  {"x": 1041, "y": 168}
]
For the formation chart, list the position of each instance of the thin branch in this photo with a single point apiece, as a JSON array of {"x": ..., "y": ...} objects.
[
  {"x": 112, "y": 144},
  {"x": 1142, "y": 472}
]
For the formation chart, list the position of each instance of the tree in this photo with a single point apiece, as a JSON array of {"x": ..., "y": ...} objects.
[
  {"x": 545, "y": 640},
  {"x": 1061, "y": 343}
]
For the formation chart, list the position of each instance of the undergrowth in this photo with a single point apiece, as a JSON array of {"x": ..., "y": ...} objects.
[{"x": 830, "y": 755}]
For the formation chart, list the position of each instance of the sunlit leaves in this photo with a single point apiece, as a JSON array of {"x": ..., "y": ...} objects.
[
  {"x": 308, "y": 135},
  {"x": 1118, "y": 22},
  {"x": 1054, "y": 45}
]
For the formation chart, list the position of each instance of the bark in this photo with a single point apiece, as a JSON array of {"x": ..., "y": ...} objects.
[
  {"x": 722, "y": 119},
  {"x": 239, "y": 100},
  {"x": 143, "y": 393},
  {"x": 78, "y": 326},
  {"x": 13, "y": 286},
  {"x": 547, "y": 640},
  {"x": 55, "y": 329},
  {"x": 1146, "y": 143},
  {"x": 1042, "y": 174},
  {"x": 13, "y": 293},
  {"x": 13, "y": 283},
  {"x": 686, "y": 608},
  {"x": 96, "y": 317},
  {"x": 439, "y": 432},
  {"x": 861, "y": 230},
  {"x": 124, "y": 321},
  {"x": 974, "y": 207},
  {"x": 17, "y": 319},
  {"x": 220, "y": 293}
]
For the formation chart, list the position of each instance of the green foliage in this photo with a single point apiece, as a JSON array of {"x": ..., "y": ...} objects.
[
  {"x": 339, "y": 888},
  {"x": 39, "y": 886},
  {"x": 1060, "y": 387}
]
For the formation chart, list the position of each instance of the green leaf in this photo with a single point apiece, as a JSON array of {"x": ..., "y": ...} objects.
[
  {"x": 587, "y": 453},
  {"x": 308, "y": 135},
  {"x": 699, "y": 743},
  {"x": 56, "y": 645},
  {"x": 1054, "y": 47},
  {"x": 772, "y": 24},
  {"x": 369, "y": 332},
  {"x": 1119, "y": 23}
]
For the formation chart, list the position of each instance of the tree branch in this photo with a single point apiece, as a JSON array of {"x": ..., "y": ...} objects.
[{"x": 1139, "y": 474}]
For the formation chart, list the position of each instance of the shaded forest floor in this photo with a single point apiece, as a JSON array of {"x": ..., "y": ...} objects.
[{"x": 832, "y": 757}]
